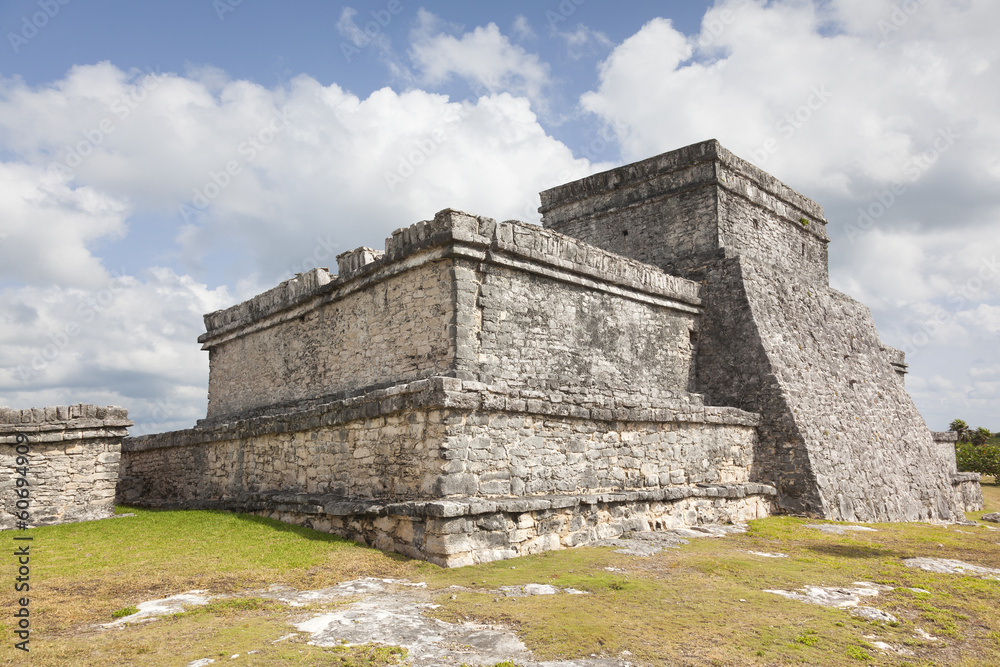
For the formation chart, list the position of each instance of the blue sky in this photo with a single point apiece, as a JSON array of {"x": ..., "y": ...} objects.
[{"x": 119, "y": 226}]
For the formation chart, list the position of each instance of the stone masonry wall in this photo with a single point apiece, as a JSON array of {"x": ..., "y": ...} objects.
[
  {"x": 59, "y": 464},
  {"x": 734, "y": 368},
  {"x": 456, "y": 296},
  {"x": 870, "y": 451},
  {"x": 443, "y": 437},
  {"x": 459, "y": 472},
  {"x": 512, "y": 454},
  {"x": 543, "y": 334},
  {"x": 966, "y": 489},
  {"x": 458, "y": 533},
  {"x": 395, "y": 331},
  {"x": 682, "y": 209}
]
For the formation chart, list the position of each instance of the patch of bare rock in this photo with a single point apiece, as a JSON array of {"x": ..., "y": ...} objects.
[
  {"x": 154, "y": 609},
  {"x": 390, "y": 612},
  {"x": 653, "y": 542},
  {"x": 398, "y": 618},
  {"x": 951, "y": 566},
  {"x": 839, "y": 528},
  {"x": 835, "y": 596}
]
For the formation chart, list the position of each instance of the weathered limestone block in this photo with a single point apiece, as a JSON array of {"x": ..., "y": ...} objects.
[{"x": 59, "y": 464}]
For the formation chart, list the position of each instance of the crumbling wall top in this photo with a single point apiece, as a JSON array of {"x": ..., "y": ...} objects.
[
  {"x": 706, "y": 163},
  {"x": 61, "y": 413},
  {"x": 675, "y": 162},
  {"x": 452, "y": 231}
]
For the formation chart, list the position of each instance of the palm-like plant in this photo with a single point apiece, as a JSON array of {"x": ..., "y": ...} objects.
[
  {"x": 980, "y": 436},
  {"x": 961, "y": 428}
]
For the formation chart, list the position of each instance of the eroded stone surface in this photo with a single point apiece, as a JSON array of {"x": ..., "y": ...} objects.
[
  {"x": 390, "y": 612},
  {"x": 834, "y": 596},
  {"x": 356, "y": 587},
  {"x": 952, "y": 566},
  {"x": 398, "y": 619},
  {"x": 150, "y": 611},
  {"x": 886, "y": 647},
  {"x": 839, "y": 529},
  {"x": 649, "y": 544},
  {"x": 992, "y": 516},
  {"x": 874, "y": 615}
]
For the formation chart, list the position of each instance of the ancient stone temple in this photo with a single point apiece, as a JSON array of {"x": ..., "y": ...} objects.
[{"x": 664, "y": 351}]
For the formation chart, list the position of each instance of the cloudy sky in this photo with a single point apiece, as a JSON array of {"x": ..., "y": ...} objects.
[{"x": 163, "y": 159}]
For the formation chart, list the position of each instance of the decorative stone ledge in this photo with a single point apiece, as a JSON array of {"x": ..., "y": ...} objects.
[
  {"x": 445, "y": 392},
  {"x": 468, "y": 506}
]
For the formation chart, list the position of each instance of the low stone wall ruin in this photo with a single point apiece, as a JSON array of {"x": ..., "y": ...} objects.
[
  {"x": 59, "y": 464},
  {"x": 966, "y": 488}
]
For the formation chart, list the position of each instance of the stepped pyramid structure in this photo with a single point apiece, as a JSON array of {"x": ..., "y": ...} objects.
[{"x": 664, "y": 351}]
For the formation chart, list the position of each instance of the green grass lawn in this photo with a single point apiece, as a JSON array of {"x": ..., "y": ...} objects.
[{"x": 702, "y": 604}]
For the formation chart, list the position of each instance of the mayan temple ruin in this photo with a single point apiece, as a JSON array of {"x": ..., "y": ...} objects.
[{"x": 664, "y": 351}]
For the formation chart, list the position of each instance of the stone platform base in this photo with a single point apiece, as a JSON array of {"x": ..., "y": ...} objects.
[{"x": 466, "y": 531}]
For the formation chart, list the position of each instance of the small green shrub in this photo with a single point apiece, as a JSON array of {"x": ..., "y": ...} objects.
[
  {"x": 126, "y": 611},
  {"x": 984, "y": 459},
  {"x": 857, "y": 653},
  {"x": 808, "y": 638}
]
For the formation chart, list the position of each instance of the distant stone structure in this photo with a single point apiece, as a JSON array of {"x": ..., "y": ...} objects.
[
  {"x": 665, "y": 351},
  {"x": 67, "y": 466}
]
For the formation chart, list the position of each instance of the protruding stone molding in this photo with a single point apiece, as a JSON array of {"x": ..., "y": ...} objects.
[
  {"x": 897, "y": 359},
  {"x": 449, "y": 393},
  {"x": 456, "y": 507}
]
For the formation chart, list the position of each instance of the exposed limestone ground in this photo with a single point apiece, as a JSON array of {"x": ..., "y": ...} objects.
[
  {"x": 387, "y": 612},
  {"x": 394, "y": 612},
  {"x": 951, "y": 566}
]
